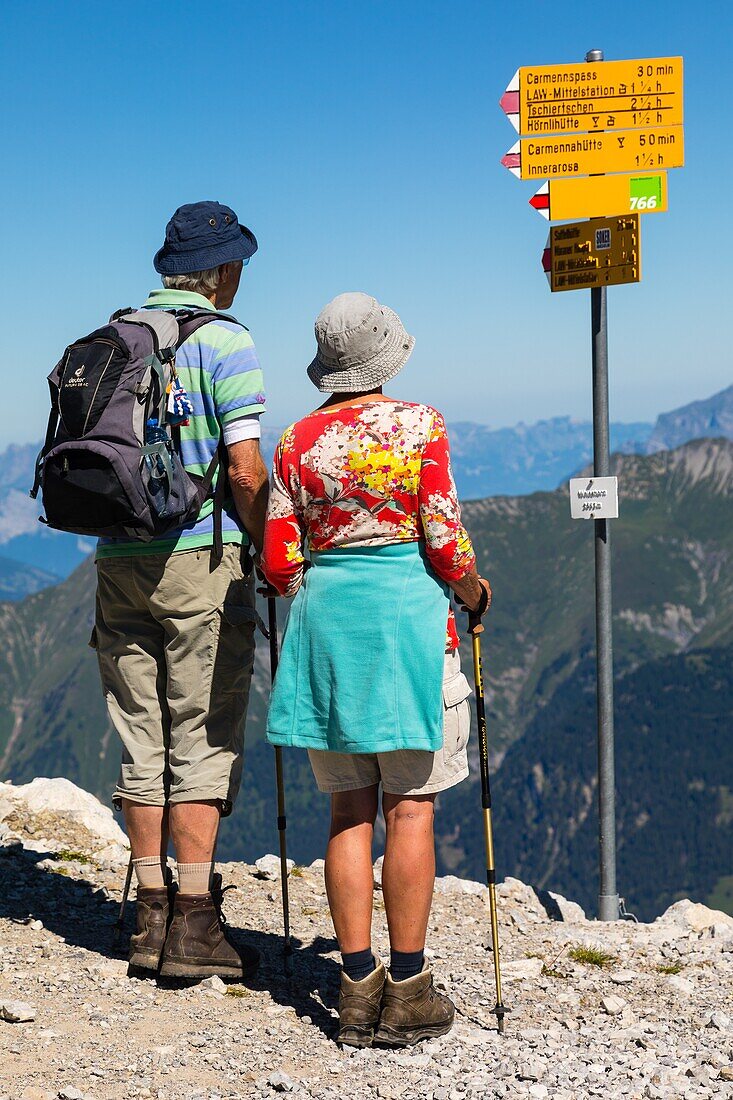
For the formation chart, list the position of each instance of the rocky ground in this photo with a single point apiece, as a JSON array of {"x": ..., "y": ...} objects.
[{"x": 622, "y": 1010}]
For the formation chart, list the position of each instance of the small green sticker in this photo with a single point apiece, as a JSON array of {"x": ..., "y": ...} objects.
[{"x": 645, "y": 192}]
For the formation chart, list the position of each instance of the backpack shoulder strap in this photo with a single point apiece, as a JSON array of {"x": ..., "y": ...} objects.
[
  {"x": 220, "y": 491},
  {"x": 53, "y": 423},
  {"x": 219, "y": 464},
  {"x": 189, "y": 321}
]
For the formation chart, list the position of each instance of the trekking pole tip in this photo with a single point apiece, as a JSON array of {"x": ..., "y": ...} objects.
[
  {"x": 288, "y": 960},
  {"x": 116, "y": 937}
]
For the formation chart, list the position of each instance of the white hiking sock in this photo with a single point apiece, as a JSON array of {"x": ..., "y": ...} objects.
[
  {"x": 195, "y": 878},
  {"x": 149, "y": 872}
]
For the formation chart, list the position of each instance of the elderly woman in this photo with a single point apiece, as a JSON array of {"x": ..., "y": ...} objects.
[{"x": 369, "y": 678}]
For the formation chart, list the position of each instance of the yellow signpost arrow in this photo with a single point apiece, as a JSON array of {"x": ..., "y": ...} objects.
[
  {"x": 621, "y": 95},
  {"x": 588, "y": 154},
  {"x": 598, "y": 196}
]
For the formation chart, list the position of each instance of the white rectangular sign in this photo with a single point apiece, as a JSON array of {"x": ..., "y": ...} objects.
[{"x": 594, "y": 497}]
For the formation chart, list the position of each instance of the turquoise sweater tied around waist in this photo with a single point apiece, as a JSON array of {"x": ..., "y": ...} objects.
[{"x": 362, "y": 654}]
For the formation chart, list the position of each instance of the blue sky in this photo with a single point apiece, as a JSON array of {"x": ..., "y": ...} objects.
[{"x": 361, "y": 142}]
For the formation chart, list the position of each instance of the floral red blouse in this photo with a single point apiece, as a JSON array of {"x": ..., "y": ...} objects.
[{"x": 370, "y": 474}]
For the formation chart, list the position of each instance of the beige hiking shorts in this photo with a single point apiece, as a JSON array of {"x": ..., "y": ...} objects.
[
  {"x": 175, "y": 643},
  {"x": 408, "y": 771}
]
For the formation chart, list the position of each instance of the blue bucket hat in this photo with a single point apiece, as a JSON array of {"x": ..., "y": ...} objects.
[{"x": 202, "y": 235}]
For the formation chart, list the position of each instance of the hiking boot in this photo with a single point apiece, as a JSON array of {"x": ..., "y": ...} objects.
[
  {"x": 359, "y": 1004},
  {"x": 412, "y": 1010},
  {"x": 197, "y": 946},
  {"x": 153, "y": 915}
]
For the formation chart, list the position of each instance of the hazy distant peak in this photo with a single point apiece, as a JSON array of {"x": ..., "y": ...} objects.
[{"x": 713, "y": 416}]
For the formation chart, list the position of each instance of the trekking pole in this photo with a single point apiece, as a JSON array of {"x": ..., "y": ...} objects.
[
  {"x": 281, "y": 819},
  {"x": 475, "y": 629},
  {"x": 119, "y": 923}
]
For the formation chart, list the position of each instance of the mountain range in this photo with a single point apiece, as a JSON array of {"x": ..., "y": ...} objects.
[
  {"x": 673, "y": 638},
  {"x": 486, "y": 462},
  {"x": 672, "y": 552},
  {"x": 23, "y": 540}
]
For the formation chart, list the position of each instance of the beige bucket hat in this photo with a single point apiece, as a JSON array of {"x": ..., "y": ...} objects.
[{"x": 361, "y": 345}]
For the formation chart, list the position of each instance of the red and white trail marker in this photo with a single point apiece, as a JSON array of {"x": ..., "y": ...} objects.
[
  {"x": 540, "y": 201},
  {"x": 509, "y": 102},
  {"x": 513, "y": 159}
]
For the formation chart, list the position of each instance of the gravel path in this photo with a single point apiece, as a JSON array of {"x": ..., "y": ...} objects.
[{"x": 609, "y": 1011}]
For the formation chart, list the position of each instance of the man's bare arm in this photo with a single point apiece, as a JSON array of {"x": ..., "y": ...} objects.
[{"x": 249, "y": 482}]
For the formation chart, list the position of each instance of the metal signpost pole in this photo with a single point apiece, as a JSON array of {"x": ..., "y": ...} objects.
[
  {"x": 608, "y": 902},
  {"x": 619, "y": 132}
]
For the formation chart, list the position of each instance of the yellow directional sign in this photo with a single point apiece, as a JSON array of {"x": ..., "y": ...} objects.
[
  {"x": 551, "y": 99},
  {"x": 599, "y": 252},
  {"x": 596, "y": 196},
  {"x": 588, "y": 154}
]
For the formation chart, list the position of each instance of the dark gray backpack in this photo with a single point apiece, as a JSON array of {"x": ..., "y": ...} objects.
[{"x": 102, "y": 469}]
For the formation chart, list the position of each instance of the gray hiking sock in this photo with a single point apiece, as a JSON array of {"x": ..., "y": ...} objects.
[
  {"x": 195, "y": 878},
  {"x": 150, "y": 872}
]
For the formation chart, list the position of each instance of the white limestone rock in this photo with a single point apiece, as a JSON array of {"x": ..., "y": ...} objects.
[
  {"x": 623, "y": 977},
  {"x": 66, "y": 800},
  {"x": 523, "y": 969},
  {"x": 280, "y": 1082},
  {"x": 613, "y": 1005},
  {"x": 720, "y": 1022},
  {"x": 214, "y": 985},
  {"x": 268, "y": 867},
  {"x": 517, "y": 893},
  {"x": 450, "y": 884},
  {"x": 692, "y": 916},
  {"x": 17, "y": 1012},
  {"x": 570, "y": 912},
  {"x": 113, "y": 855}
]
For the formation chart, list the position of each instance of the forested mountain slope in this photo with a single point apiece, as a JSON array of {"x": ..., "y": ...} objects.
[{"x": 673, "y": 598}]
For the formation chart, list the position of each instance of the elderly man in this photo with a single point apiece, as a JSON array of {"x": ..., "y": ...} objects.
[{"x": 175, "y": 625}]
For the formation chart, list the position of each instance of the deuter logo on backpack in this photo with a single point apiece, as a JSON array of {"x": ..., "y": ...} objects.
[
  {"x": 77, "y": 379},
  {"x": 110, "y": 465}
]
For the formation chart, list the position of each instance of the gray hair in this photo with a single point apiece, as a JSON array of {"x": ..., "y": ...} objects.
[{"x": 198, "y": 282}]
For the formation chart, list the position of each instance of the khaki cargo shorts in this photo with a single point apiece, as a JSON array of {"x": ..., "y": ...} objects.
[
  {"x": 408, "y": 771},
  {"x": 175, "y": 643}
]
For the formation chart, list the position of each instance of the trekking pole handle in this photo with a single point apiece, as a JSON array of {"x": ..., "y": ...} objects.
[{"x": 475, "y": 626}]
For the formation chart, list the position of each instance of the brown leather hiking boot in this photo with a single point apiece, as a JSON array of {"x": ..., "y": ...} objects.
[
  {"x": 412, "y": 1010},
  {"x": 153, "y": 914},
  {"x": 197, "y": 945},
  {"x": 359, "y": 1004}
]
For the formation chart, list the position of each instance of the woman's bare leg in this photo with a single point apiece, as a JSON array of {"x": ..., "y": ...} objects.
[
  {"x": 349, "y": 876},
  {"x": 408, "y": 874}
]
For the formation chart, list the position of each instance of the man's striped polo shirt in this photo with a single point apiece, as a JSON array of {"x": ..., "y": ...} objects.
[{"x": 219, "y": 369}]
